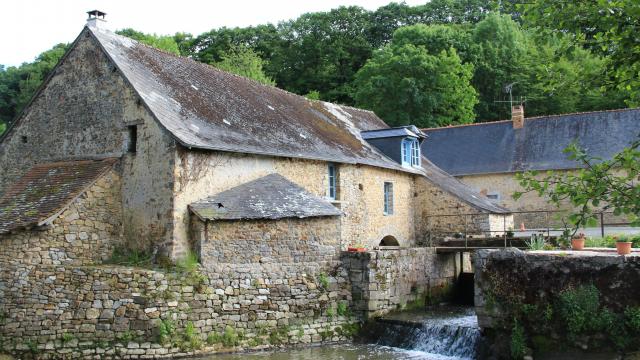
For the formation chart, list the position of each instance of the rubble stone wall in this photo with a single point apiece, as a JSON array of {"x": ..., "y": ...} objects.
[
  {"x": 440, "y": 214},
  {"x": 85, "y": 233},
  {"x": 267, "y": 241},
  {"x": 360, "y": 192},
  {"x": 59, "y": 311},
  {"x": 388, "y": 280}
]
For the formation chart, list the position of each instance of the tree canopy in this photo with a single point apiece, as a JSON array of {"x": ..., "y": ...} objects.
[
  {"x": 407, "y": 83},
  {"x": 243, "y": 61},
  {"x": 557, "y": 56}
]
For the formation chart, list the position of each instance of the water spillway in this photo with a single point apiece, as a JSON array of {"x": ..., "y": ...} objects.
[{"x": 439, "y": 332}]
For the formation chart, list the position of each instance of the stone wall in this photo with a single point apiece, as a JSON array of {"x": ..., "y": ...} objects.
[
  {"x": 388, "y": 280},
  {"x": 559, "y": 299},
  {"x": 86, "y": 232},
  {"x": 440, "y": 214},
  {"x": 101, "y": 312},
  {"x": 289, "y": 240},
  {"x": 84, "y": 111},
  {"x": 360, "y": 192},
  {"x": 505, "y": 184}
]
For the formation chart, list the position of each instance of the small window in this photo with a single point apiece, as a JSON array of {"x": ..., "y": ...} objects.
[
  {"x": 493, "y": 196},
  {"x": 410, "y": 152},
  {"x": 332, "y": 191},
  {"x": 388, "y": 198},
  {"x": 24, "y": 139},
  {"x": 133, "y": 138},
  {"x": 415, "y": 153}
]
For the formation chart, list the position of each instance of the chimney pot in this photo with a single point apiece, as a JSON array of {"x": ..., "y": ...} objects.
[
  {"x": 96, "y": 18},
  {"x": 517, "y": 116}
]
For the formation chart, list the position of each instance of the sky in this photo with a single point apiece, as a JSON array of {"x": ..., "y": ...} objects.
[{"x": 29, "y": 27}]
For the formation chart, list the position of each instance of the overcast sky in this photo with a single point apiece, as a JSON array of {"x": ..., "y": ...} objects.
[{"x": 28, "y": 27}]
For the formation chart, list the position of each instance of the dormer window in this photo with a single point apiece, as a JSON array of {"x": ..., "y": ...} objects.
[{"x": 410, "y": 152}]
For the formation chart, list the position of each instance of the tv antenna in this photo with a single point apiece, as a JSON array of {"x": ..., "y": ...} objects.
[{"x": 508, "y": 89}]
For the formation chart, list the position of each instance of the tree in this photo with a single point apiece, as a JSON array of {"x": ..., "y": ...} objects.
[
  {"x": 405, "y": 84},
  {"x": 162, "y": 42},
  {"x": 600, "y": 185},
  {"x": 502, "y": 59},
  {"x": 243, "y": 61},
  {"x": 609, "y": 27},
  {"x": 18, "y": 84}
]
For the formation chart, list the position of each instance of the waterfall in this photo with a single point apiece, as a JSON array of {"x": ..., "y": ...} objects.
[{"x": 453, "y": 333}]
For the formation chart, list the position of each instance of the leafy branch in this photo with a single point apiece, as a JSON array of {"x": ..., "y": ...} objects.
[{"x": 599, "y": 186}]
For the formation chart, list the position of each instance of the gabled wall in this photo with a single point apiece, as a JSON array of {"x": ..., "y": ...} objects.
[{"x": 83, "y": 112}]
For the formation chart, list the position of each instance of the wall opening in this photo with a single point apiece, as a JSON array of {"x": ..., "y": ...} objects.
[
  {"x": 389, "y": 241},
  {"x": 133, "y": 138}
]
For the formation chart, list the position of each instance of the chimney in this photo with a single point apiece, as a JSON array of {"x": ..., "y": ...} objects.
[
  {"x": 517, "y": 116},
  {"x": 96, "y": 18}
]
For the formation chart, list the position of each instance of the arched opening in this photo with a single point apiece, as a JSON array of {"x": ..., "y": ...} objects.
[{"x": 389, "y": 241}]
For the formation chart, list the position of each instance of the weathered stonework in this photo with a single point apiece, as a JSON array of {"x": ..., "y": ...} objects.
[
  {"x": 583, "y": 300},
  {"x": 84, "y": 112},
  {"x": 267, "y": 241},
  {"x": 440, "y": 214},
  {"x": 116, "y": 312},
  {"x": 85, "y": 233},
  {"x": 387, "y": 280},
  {"x": 360, "y": 192}
]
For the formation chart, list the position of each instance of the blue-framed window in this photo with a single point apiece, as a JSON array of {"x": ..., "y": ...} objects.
[
  {"x": 410, "y": 152},
  {"x": 332, "y": 191},
  {"x": 388, "y": 198}
]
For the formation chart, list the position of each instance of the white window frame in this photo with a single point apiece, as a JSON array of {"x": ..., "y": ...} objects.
[
  {"x": 332, "y": 188},
  {"x": 415, "y": 153},
  {"x": 387, "y": 190}
]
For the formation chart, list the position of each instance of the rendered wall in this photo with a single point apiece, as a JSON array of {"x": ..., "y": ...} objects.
[{"x": 360, "y": 192}]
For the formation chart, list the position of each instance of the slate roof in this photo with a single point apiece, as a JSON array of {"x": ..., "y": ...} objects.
[
  {"x": 410, "y": 130},
  {"x": 499, "y": 148},
  {"x": 46, "y": 190},
  {"x": 269, "y": 197},
  {"x": 207, "y": 108}
]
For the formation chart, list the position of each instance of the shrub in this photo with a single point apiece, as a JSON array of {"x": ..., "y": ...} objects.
[
  {"x": 166, "y": 331},
  {"x": 578, "y": 308},
  {"x": 191, "y": 338},
  {"x": 230, "y": 338}
]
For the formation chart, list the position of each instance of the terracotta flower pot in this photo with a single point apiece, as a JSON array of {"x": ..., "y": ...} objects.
[
  {"x": 355, "y": 249},
  {"x": 577, "y": 244},
  {"x": 623, "y": 247}
]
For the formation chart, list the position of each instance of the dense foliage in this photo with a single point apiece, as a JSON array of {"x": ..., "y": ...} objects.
[{"x": 558, "y": 56}]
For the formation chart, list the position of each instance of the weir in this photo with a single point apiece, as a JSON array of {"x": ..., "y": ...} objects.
[{"x": 440, "y": 331}]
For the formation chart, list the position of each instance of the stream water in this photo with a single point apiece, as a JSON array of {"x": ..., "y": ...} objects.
[{"x": 442, "y": 333}]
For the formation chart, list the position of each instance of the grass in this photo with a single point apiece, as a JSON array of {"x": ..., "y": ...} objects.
[{"x": 127, "y": 257}]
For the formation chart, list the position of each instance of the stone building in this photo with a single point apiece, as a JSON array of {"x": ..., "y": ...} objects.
[
  {"x": 126, "y": 147},
  {"x": 181, "y": 133},
  {"x": 486, "y": 156}
]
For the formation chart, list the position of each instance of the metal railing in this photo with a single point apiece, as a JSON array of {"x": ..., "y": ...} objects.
[{"x": 470, "y": 228}]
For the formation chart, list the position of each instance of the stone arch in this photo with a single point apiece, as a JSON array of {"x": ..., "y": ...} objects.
[{"x": 389, "y": 240}]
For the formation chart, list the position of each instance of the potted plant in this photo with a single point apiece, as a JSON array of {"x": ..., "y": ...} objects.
[
  {"x": 623, "y": 245},
  {"x": 577, "y": 241},
  {"x": 356, "y": 248}
]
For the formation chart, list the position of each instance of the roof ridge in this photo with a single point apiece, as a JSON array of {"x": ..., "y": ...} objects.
[{"x": 532, "y": 118}]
